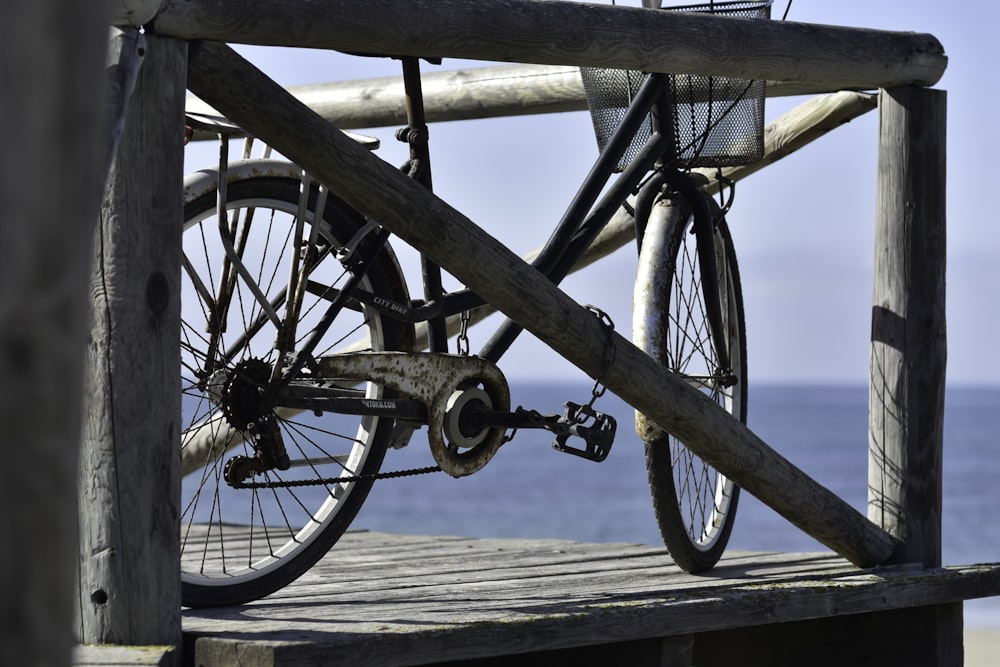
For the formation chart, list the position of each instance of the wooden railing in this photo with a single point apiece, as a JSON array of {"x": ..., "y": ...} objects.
[{"x": 908, "y": 333}]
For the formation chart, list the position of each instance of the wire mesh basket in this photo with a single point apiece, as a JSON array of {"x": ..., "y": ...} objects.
[{"x": 717, "y": 121}]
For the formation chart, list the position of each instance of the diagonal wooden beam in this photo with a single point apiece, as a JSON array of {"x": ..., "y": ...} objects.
[
  {"x": 231, "y": 84},
  {"x": 557, "y": 32}
]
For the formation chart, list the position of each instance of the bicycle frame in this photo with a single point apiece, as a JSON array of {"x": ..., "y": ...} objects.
[{"x": 587, "y": 214}]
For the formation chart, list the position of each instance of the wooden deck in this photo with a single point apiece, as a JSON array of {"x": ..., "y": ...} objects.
[{"x": 380, "y": 599}]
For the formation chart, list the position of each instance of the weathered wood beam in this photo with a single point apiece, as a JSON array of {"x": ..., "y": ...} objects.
[
  {"x": 481, "y": 92},
  {"x": 129, "y": 558},
  {"x": 506, "y": 90},
  {"x": 558, "y": 32},
  {"x": 224, "y": 79},
  {"x": 909, "y": 342}
]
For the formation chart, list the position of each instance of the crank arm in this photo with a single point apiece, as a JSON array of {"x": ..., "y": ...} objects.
[
  {"x": 521, "y": 418},
  {"x": 596, "y": 429}
]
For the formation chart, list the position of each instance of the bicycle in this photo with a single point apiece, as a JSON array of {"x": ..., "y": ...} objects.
[{"x": 302, "y": 363}]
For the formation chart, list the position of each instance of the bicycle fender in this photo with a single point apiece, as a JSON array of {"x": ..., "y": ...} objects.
[{"x": 205, "y": 181}]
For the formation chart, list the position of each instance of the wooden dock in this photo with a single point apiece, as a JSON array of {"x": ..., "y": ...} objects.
[{"x": 380, "y": 599}]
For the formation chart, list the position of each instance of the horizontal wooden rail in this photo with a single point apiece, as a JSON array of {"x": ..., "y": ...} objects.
[
  {"x": 231, "y": 84},
  {"x": 466, "y": 94},
  {"x": 558, "y": 32}
]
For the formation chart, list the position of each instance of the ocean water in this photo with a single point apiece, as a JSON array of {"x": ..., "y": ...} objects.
[{"x": 530, "y": 490}]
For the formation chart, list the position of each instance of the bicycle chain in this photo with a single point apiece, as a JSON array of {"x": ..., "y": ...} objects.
[{"x": 338, "y": 480}]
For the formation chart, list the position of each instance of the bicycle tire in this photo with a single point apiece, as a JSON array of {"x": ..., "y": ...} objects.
[
  {"x": 694, "y": 504},
  {"x": 241, "y": 545}
]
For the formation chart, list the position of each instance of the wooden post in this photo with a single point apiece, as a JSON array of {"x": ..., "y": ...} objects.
[
  {"x": 908, "y": 348},
  {"x": 224, "y": 79},
  {"x": 556, "y": 32},
  {"x": 129, "y": 581},
  {"x": 52, "y": 67}
]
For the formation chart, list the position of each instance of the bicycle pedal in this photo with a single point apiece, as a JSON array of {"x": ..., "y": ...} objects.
[{"x": 596, "y": 429}]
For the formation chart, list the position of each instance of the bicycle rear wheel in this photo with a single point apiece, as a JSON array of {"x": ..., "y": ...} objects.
[
  {"x": 238, "y": 544},
  {"x": 695, "y": 505}
]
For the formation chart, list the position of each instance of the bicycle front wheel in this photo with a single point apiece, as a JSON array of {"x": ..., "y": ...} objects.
[
  {"x": 694, "y": 504},
  {"x": 240, "y": 544}
]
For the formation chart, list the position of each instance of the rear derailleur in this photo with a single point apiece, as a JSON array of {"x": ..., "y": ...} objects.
[{"x": 269, "y": 454}]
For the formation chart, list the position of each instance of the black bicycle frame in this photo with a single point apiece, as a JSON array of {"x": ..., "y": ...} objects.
[{"x": 588, "y": 213}]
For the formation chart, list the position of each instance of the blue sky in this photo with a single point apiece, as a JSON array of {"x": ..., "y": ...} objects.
[{"x": 803, "y": 228}]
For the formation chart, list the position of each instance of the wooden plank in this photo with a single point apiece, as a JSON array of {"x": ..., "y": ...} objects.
[
  {"x": 483, "y": 560},
  {"x": 419, "y": 568},
  {"x": 52, "y": 64},
  {"x": 570, "y": 33},
  {"x": 361, "y": 618},
  {"x": 909, "y": 342},
  {"x": 129, "y": 581},
  {"x": 225, "y": 80},
  {"x": 125, "y": 656},
  {"x": 518, "y": 585}
]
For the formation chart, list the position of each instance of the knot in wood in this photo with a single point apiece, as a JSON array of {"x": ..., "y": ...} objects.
[{"x": 157, "y": 293}]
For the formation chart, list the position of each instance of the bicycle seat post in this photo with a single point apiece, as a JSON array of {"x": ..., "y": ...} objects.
[
  {"x": 663, "y": 120},
  {"x": 419, "y": 168}
]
